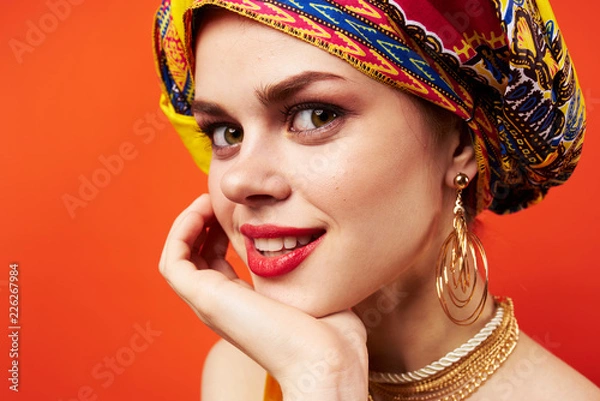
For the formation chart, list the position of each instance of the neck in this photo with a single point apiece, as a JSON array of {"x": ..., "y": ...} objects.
[{"x": 407, "y": 328}]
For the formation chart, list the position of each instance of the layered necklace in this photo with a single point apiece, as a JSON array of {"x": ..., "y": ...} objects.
[{"x": 461, "y": 372}]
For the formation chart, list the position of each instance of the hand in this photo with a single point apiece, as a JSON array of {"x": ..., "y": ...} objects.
[{"x": 312, "y": 359}]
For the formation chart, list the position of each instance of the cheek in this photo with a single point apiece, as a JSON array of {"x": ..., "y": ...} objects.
[
  {"x": 222, "y": 207},
  {"x": 384, "y": 206},
  {"x": 383, "y": 183}
]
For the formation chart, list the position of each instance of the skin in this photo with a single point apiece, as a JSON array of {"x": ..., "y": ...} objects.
[
  {"x": 382, "y": 190},
  {"x": 323, "y": 178}
]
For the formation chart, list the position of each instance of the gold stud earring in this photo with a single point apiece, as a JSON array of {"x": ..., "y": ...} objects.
[{"x": 458, "y": 266}]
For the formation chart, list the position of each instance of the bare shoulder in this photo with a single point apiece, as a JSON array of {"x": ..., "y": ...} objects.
[
  {"x": 534, "y": 373},
  {"x": 230, "y": 375}
]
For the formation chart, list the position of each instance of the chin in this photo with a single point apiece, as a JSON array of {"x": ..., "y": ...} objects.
[{"x": 313, "y": 304}]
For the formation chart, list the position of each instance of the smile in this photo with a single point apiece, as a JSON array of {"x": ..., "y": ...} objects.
[
  {"x": 271, "y": 247},
  {"x": 273, "y": 251}
]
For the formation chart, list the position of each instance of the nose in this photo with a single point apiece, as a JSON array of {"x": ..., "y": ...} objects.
[{"x": 256, "y": 178}]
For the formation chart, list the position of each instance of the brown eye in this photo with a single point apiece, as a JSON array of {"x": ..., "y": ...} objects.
[
  {"x": 310, "y": 119},
  {"x": 321, "y": 117},
  {"x": 224, "y": 136}
]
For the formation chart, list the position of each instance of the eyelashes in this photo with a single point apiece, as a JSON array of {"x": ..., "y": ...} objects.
[
  {"x": 308, "y": 123},
  {"x": 310, "y": 117}
]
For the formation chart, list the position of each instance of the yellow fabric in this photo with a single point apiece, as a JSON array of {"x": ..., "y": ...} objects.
[
  {"x": 178, "y": 9},
  {"x": 187, "y": 128},
  {"x": 272, "y": 390},
  {"x": 177, "y": 80}
]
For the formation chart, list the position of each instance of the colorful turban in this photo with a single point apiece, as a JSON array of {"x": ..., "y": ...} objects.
[{"x": 500, "y": 65}]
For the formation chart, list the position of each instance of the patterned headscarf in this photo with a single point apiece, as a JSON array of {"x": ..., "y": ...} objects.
[{"x": 500, "y": 65}]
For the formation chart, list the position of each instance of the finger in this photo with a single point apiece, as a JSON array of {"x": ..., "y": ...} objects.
[
  {"x": 202, "y": 206},
  {"x": 268, "y": 331},
  {"x": 215, "y": 249},
  {"x": 182, "y": 239},
  {"x": 181, "y": 259},
  {"x": 257, "y": 325}
]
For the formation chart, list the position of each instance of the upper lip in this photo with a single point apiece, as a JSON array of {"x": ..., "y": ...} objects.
[{"x": 273, "y": 231}]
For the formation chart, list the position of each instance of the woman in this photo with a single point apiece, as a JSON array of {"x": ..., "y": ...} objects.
[{"x": 350, "y": 146}]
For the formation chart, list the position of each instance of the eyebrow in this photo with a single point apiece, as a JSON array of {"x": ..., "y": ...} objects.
[
  {"x": 273, "y": 93},
  {"x": 277, "y": 93},
  {"x": 210, "y": 108}
]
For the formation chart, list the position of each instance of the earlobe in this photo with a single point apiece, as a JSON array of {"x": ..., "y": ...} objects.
[{"x": 463, "y": 158}]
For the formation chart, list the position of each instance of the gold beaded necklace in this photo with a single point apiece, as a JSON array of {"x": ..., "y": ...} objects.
[{"x": 460, "y": 380}]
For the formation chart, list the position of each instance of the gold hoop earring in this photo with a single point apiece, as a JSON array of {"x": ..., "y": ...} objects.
[{"x": 458, "y": 265}]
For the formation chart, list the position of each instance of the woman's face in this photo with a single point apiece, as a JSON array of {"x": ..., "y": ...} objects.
[{"x": 308, "y": 149}]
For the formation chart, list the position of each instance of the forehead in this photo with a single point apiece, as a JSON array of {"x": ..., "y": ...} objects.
[{"x": 228, "y": 44}]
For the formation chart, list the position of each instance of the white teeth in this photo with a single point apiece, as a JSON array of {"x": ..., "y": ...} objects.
[
  {"x": 274, "y": 244},
  {"x": 305, "y": 239},
  {"x": 267, "y": 245},
  {"x": 261, "y": 244},
  {"x": 289, "y": 242}
]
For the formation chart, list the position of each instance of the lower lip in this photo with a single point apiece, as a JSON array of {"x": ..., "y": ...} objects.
[{"x": 278, "y": 265}]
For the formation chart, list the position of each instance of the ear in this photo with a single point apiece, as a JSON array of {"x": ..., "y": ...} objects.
[{"x": 463, "y": 156}]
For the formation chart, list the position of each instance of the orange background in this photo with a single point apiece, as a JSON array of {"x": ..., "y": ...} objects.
[{"x": 87, "y": 91}]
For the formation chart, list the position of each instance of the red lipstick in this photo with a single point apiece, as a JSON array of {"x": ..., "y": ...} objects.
[{"x": 265, "y": 266}]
